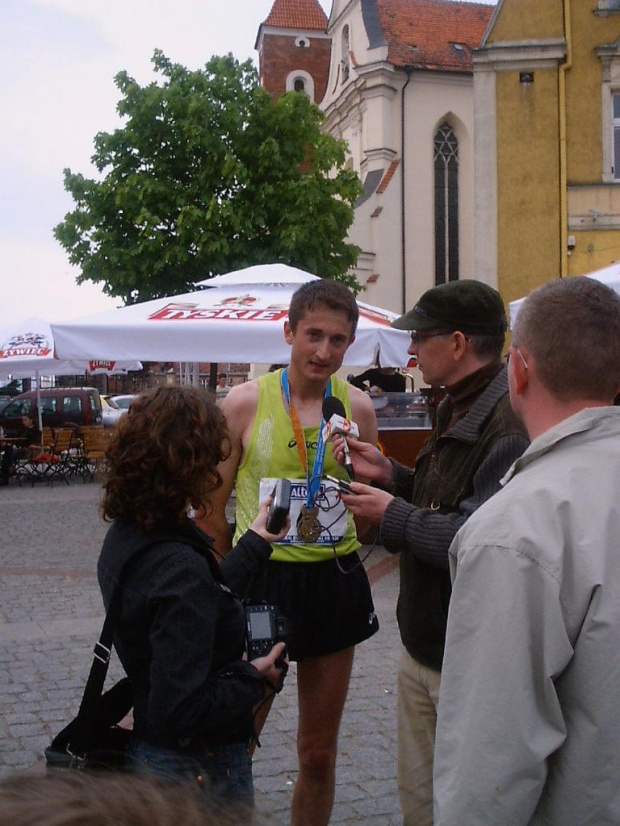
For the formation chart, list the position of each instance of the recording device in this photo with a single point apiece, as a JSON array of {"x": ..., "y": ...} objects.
[
  {"x": 343, "y": 487},
  {"x": 336, "y": 422},
  {"x": 280, "y": 506},
  {"x": 265, "y": 627}
]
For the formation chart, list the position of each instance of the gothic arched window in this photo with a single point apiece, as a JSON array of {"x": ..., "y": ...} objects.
[
  {"x": 299, "y": 85},
  {"x": 446, "y": 205}
]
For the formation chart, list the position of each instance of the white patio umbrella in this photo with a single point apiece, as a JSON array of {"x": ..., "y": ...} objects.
[
  {"x": 27, "y": 351},
  {"x": 235, "y": 317},
  {"x": 606, "y": 275}
]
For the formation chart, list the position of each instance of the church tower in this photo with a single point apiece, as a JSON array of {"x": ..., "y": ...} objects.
[{"x": 294, "y": 49}]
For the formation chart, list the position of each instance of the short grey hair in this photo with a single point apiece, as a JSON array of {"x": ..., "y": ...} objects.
[{"x": 572, "y": 328}]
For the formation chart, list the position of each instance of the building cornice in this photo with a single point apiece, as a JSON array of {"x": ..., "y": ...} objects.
[
  {"x": 373, "y": 80},
  {"x": 608, "y": 53},
  {"x": 508, "y": 55}
]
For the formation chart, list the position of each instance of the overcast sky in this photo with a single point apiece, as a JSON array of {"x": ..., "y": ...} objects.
[{"x": 58, "y": 59}]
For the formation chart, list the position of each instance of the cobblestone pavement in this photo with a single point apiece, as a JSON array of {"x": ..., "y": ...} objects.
[{"x": 51, "y": 614}]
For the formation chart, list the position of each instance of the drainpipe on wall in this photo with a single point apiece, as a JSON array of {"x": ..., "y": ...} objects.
[
  {"x": 403, "y": 209},
  {"x": 564, "y": 67}
]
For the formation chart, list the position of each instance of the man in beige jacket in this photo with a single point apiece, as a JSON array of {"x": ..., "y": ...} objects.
[{"x": 529, "y": 720}]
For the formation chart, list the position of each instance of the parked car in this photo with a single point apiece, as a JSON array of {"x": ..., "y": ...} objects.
[
  {"x": 122, "y": 402},
  {"x": 110, "y": 411},
  {"x": 9, "y": 390},
  {"x": 60, "y": 407}
]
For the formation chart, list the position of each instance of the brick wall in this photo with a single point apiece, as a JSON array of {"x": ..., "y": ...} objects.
[{"x": 280, "y": 56}]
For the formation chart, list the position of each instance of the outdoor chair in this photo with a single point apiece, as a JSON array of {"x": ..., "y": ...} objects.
[
  {"x": 52, "y": 461},
  {"x": 47, "y": 438},
  {"x": 33, "y": 466},
  {"x": 65, "y": 455},
  {"x": 94, "y": 443}
]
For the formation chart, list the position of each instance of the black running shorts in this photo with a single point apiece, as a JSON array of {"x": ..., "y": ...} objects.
[{"x": 329, "y": 610}]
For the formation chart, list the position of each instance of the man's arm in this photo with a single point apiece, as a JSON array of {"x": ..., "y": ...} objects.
[
  {"x": 363, "y": 413},
  {"x": 499, "y": 715},
  {"x": 358, "y": 381},
  {"x": 238, "y": 408},
  {"x": 428, "y": 533}
]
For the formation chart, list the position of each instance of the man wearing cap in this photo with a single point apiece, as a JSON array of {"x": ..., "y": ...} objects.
[{"x": 457, "y": 334}]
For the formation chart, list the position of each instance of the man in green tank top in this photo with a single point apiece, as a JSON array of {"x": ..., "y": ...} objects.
[{"x": 314, "y": 577}]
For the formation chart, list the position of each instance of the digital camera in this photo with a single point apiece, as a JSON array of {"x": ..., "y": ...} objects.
[{"x": 265, "y": 627}]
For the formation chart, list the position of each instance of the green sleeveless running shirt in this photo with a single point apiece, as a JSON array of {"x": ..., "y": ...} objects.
[{"x": 272, "y": 454}]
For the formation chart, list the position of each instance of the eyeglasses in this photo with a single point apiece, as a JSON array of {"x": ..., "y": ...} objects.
[{"x": 417, "y": 338}]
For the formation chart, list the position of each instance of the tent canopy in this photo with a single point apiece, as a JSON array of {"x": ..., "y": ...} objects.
[
  {"x": 610, "y": 276},
  {"x": 27, "y": 351},
  {"x": 235, "y": 317}
]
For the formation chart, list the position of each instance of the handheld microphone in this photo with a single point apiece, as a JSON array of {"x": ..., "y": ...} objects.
[{"x": 336, "y": 417}]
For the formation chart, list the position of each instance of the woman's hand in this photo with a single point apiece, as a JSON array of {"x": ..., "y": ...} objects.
[
  {"x": 259, "y": 525},
  {"x": 368, "y": 461},
  {"x": 273, "y": 673},
  {"x": 369, "y": 503}
]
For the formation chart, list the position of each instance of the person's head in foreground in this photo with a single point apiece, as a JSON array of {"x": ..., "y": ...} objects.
[
  {"x": 71, "y": 798},
  {"x": 565, "y": 352}
]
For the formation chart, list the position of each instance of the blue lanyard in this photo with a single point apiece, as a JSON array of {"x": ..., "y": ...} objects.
[{"x": 314, "y": 478}]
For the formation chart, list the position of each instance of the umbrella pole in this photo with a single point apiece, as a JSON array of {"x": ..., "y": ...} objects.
[
  {"x": 213, "y": 370},
  {"x": 37, "y": 378}
]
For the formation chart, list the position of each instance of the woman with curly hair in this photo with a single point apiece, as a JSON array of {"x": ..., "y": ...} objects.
[{"x": 181, "y": 630}]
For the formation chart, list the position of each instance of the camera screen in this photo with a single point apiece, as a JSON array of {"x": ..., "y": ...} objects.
[{"x": 260, "y": 625}]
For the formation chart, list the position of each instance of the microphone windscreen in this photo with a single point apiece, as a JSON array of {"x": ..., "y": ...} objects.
[{"x": 333, "y": 406}]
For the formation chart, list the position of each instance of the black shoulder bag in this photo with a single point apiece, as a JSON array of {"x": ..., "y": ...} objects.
[{"x": 93, "y": 739}]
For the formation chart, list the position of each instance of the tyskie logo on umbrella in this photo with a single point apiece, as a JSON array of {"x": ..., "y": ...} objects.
[
  {"x": 26, "y": 345},
  {"x": 236, "y": 308}
]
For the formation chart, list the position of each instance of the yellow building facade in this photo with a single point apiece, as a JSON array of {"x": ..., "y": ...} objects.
[{"x": 547, "y": 157}]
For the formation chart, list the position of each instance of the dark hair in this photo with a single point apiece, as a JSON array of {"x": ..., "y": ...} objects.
[
  {"x": 572, "y": 328},
  {"x": 326, "y": 293},
  {"x": 222, "y": 375},
  {"x": 488, "y": 347},
  {"x": 164, "y": 456},
  {"x": 70, "y": 798}
]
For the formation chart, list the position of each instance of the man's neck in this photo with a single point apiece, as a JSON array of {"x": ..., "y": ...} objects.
[
  {"x": 550, "y": 412},
  {"x": 304, "y": 391}
]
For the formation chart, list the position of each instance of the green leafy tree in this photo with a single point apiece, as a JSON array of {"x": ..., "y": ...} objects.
[{"x": 209, "y": 174}]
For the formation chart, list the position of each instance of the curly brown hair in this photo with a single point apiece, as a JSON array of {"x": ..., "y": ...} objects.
[{"x": 164, "y": 456}]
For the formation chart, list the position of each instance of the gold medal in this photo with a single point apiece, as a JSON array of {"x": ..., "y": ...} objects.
[{"x": 308, "y": 525}]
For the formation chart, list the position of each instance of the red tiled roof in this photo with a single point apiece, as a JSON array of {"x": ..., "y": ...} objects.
[
  {"x": 387, "y": 177},
  {"x": 423, "y": 33},
  {"x": 297, "y": 14}
]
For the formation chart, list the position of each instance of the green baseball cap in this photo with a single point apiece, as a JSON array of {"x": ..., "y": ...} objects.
[{"x": 469, "y": 306}]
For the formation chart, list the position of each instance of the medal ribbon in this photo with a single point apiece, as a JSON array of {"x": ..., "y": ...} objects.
[{"x": 314, "y": 479}]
